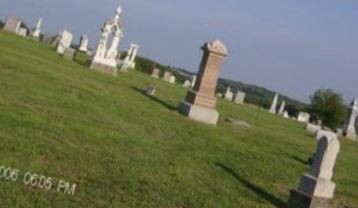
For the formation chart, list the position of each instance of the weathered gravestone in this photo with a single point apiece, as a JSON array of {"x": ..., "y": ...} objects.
[
  {"x": 200, "y": 101},
  {"x": 282, "y": 108},
  {"x": 83, "y": 47},
  {"x": 172, "y": 79},
  {"x": 316, "y": 189},
  {"x": 37, "y": 30},
  {"x": 150, "y": 90},
  {"x": 69, "y": 53},
  {"x": 228, "y": 94},
  {"x": 129, "y": 60},
  {"x": 12, "y": 24},
  {"x": 23, "y": 32},
  {"x": 273, "y": 108},
  {"x": 285, "y": 114},
  {"x": 303, "y": 117},
  {"x": 105, "y": 59},
  {"x": 239, "y": 97},
  {"x": 65, "y": 41},
  {"x": 312, "y": 128},
  {"x": 167, "y": 76},
  {"x": 349, "y": 129},
  {"x": 187, "y": 84},
  {"x": 155, "y": 73}
]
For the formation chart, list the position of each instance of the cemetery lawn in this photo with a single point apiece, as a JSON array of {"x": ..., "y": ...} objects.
[{"x": 123, "y": 149}]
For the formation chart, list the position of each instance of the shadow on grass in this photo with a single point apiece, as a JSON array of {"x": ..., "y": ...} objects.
[
  {"x": 304, "y": 162},
  {"x": 254, "y": 188},
  {"x": 170, "y": 107}
]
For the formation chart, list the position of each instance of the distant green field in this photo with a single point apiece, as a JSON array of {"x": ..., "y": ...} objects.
[{"x": 123, "y": 149}]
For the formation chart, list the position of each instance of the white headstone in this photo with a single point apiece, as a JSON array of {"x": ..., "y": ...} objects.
[
  {"x": 303, "y": 117},
  {"x": 282, "y": 108},
  {"x": 64, "y": 41},
  {"x": 229, "y": 94},
  {"x": 193, "y": 81},
  {"x": 83, "y": 43},
  {"x": 239, "y": 97},
  {"x": 312, "y": 128},
  {"x": 105, "y": 59},
  {"x": 23, "y": 32},
  {"x": 37, "y": 30},
  {"x": 187, "y": 84},
  {"x": 129, "y": 60},
  {"x": 273, "y": 108},
  {"x": 285, "y": 114},
  {"x": 349, "y": 129},
  {"x": 172, "y": 79},
  {"x": 318, "y": 182}
]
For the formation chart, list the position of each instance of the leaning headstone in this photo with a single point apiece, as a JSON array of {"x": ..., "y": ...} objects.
[
  {"x": 303, "y": 117},
  {"x": 12, "y": 24},
  {"x": 155, "y": 73},
  {"x": 312, "y": 128},
  {"x": 150, "y": 90},
  {"x": 69, "y": 53},
  {"x": 65, "y": 41},
  {"x": 172, "y": 79},
  {"x": 37, "y": 30},
  {"x": 23, "y": 32},
  {"x": 273, "y": 108},
  {"x": 282, "y": 108},
  {"x": 239, "y": 97},
  {"x": 349, "y": 129},
  {"x": 228, "y": 94},
  {"x": 104, "y": 58},
  {"x": 167, "y": 76},
  {"x": 200, "y": 102},
  {"x": 316, "y": 189}
]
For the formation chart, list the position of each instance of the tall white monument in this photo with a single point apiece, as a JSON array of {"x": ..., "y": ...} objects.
[
  {"x": 349, "y": 129},
  {"x": 129, "y": 60},
  {"x": 37, "y": 30},
  {"x": 83, "y": 43},
  {"x": 273, "y": 108},
  {"x": 104, "y": 59}
]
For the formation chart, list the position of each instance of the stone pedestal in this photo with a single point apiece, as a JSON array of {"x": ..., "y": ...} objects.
[
  {"x": 200, "y": 102},
  {"x": 301, "y": 200},
  {"x": 104, "y": 68},
  {"x": 199, "y": 113}
]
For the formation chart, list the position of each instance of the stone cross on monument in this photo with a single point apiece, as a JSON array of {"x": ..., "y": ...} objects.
[
  {"x": 316, "y": 189},
  {"x": 273, "y": 108},
  {"x": 349, "y": 129},
  {"x": 200, "y": 102},
  {"x": 37, "y": 30},
  {"x": 104, "y": 59}
]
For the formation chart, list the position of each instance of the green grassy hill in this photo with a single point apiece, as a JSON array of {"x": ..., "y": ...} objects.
[{"x": 123, "y": 149}]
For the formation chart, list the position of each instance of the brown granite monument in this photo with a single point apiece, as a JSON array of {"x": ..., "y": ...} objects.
[{"x": 200, "y": 102}]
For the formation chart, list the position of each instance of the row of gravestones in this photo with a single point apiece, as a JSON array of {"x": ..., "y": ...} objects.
[
  {"x": 169, "y": 77},
  {"x": 238, "y": 97},
  {"x": 348, "y": 129},
  {"x": 103, "y": 59}
]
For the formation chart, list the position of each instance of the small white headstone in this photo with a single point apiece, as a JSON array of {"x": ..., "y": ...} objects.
[{"x": 64, "y": 42}]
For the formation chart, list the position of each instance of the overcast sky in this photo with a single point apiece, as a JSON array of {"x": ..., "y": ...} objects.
[{"x": 290, "y": 46}]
